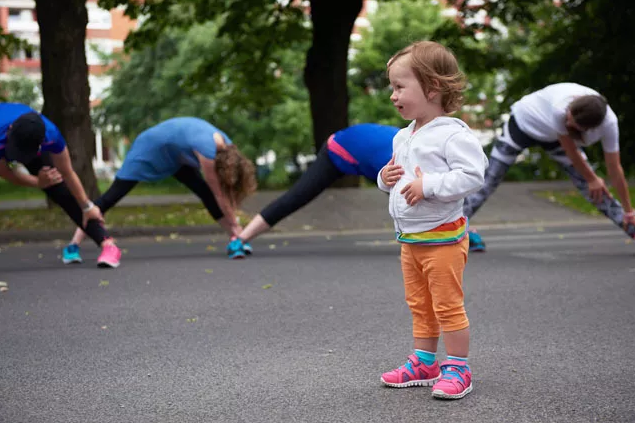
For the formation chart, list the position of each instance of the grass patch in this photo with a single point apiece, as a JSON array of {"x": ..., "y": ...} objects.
[
  {"x": 573, "y": 200},
  {"x": 119, "y": 217},
  {"x": 9, "y": 191}
]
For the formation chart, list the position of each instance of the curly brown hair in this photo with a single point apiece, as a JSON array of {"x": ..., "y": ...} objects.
[
  {"x": 437, "y": 69},
  {"x": 237, "y": 174}
]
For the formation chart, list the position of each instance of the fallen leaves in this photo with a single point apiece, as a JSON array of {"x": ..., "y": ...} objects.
[
  {"x": 267, "y": 286},
  {"x": 104, "y": 283},
  {"x": 209, "y": 270},
  {"x": 4, "y": 287},
  {"x": 211, "y": 248}
]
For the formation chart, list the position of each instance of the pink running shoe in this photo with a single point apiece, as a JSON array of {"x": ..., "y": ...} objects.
[
  {"x": 109, "y": 256},
  {"x": 413, "y": 373},
  {"x": 456, "y": 381}
]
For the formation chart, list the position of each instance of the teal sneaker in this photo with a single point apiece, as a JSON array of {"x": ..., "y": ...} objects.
[
  {"x": 235, "y": 249},
  {"x": 70, "y": 254},
  {"x": 476, "y": 243},
  {"x": 247, "y": 248}
]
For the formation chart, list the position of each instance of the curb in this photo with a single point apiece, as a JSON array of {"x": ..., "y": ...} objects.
[
  {"x": 135, "y": 232},
  {"x": 66, "y": 234}
]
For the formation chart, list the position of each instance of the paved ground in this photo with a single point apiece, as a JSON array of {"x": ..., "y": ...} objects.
[{"x": 302, "y": 331}]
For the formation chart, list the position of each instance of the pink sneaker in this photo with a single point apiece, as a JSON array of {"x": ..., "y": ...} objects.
[
  {"x": 109, "y": 256},
  {"x": 456, "y": 381},
  {"x": 413, "y": 373}
]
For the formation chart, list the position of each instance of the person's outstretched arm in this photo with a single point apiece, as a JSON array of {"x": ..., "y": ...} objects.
[
  {"x": 45, "y": 178},
  {"x": 228, "y": 222},
  {"x": 62, "y": 162},
  {"x": 597, "y": 187}
]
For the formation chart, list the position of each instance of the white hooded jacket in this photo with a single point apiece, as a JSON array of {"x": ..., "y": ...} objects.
[{"x": 453, "y": 165}]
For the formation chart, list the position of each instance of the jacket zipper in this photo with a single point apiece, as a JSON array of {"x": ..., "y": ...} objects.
[{"x": 394, "y": 202}]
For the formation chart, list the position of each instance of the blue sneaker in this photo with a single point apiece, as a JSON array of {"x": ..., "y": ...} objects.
[
  {"x": 70, "y": 254},
  {"x": 235, "y": 249},
  {"x": 476, "y": 243},
  {"x": 247, "y": 248}
]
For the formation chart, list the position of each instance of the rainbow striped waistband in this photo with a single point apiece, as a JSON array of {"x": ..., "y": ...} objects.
[{"x": 448, "y": 233}]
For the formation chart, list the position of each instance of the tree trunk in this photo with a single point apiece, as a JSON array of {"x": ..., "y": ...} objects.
[
  {"x": 65, "y": 81},
  {"x": 325, "y": 74}
]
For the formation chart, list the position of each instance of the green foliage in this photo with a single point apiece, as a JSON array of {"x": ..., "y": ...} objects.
[
  {"x": 152, "y": 85},
  {"x": 9, "y": 44},
  {"x": 588, "y": 42},
  {"x": 249, "y": 37},
  {"x": 396, "y": 24},
  {"x": 19, "y": 88}
]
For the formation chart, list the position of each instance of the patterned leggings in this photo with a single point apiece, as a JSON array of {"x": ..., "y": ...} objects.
[{"x": 506, "y": 150}]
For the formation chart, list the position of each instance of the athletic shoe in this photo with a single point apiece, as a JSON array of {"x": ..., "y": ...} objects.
[
  {"x": 247, "y": 248},
  {"x": 109, "y": 256},
  {"x": 70, "y": 254},
  {"x": 235, "y": 249},
  {"x": 476, "y": 243},
  {"x": 413, "y": 373},
  {"x": 455, "y": 382}
]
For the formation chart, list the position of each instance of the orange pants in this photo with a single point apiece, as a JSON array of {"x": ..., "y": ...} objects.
[{"x": 433, "y": 278}]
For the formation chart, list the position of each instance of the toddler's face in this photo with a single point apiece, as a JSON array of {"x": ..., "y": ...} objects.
[{"x": 407, "y": 95}]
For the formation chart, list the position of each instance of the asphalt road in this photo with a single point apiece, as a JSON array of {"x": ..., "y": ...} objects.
[{"x": 302, "y": 331}]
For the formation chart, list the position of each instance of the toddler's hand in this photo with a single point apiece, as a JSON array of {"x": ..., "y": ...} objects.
[
  {"x": 413, "y": 192},
  {"x": 391, "y": 173}
]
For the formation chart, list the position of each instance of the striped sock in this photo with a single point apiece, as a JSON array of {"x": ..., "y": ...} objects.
[
  {"x": 426, "y": 357},
  {"x": 462, "y": 359}
]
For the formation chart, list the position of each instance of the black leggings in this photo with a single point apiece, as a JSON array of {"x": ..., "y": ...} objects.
[
  {"x": 61, "y": 195},
  {"x": 319, "y": 176},
  {"x": 188, "y": 176}
]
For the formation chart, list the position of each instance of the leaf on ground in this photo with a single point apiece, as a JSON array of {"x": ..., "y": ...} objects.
[
  {"x": 174, "y": 235},
  {"x": 560, "y": 236},
  {"x": 210, "y": 248},
  {"x": 540, "y": 229},
  {"x": 192, "y": 320},
  {"x": 272, "y": 246},
  {"x": 104, "y": 327},
  {"x": 158, "y": 238},
  {"x": 104, "y": 283},
  {"x": 267, "y": 286},
  {"x": 40, "y": 255},
  {"x": 328, "y": 237},
  {"x": 124, "y": 251},
  {"x": 307, "y": 227},
  {"x": 285, "y": 243},
  {"x": 209, "y": 270},
  {"x": 26, "y": 313}
]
